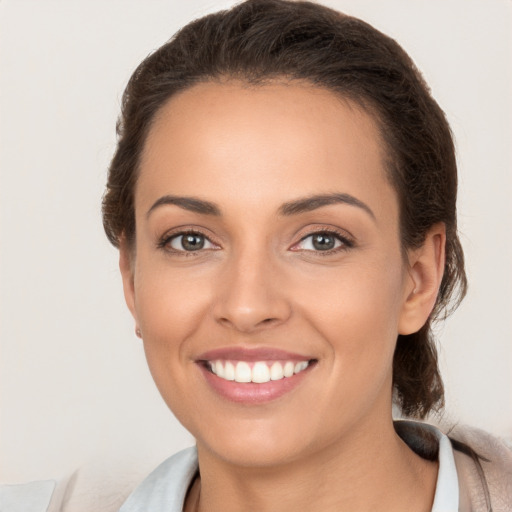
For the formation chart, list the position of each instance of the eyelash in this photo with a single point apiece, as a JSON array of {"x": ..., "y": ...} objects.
[
  {"x": 164, "y": 242},
  {"x": 346, "y": 242}
]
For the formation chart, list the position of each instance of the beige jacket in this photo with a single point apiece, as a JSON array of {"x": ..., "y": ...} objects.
[
  {"x": 91, "y": 490},
  {"x": 497, "y": 471}
]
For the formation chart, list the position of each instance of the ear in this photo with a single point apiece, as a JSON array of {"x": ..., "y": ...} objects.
[
  {"x": 126, "y": 265},
  {"x": 425, "y": 272}
]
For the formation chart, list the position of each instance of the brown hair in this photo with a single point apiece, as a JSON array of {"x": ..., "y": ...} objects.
[{"x": 260, "y": 40}]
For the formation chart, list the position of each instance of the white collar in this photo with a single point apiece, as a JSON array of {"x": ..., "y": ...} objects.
[
  {"x": 446, "y": 498},
  {"x": 164, "y": 490}
]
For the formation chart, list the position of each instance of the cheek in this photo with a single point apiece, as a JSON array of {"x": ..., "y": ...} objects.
[
  {"x": 356, "y": 310},
  {"x": 356, "y": 313},
  {"x": 170, "y": 311},
  {"x": 168, "y": 304},
  {"x": 360, "y": 294}
]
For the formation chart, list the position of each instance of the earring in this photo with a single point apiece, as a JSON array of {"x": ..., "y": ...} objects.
[{"x": 138, "y": 333}]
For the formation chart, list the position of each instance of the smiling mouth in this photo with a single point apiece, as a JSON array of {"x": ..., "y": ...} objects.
[{"x": 258, "y": 372}]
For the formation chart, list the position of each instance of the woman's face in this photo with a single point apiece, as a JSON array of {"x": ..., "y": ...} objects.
[{"x": 267, "y": 249}]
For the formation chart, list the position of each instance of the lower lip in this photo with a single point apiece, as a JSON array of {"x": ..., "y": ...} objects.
[{"x": 251, "y": 392}]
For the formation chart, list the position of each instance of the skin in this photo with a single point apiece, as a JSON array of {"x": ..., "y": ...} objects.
[{"x": 329, "y": 444}]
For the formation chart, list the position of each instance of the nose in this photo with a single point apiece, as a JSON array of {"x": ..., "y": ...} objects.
[{"x": 251, "y": 295}]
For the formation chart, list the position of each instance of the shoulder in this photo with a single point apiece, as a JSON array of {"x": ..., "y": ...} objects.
[
  {"x": 484, "y": 467},
  {"x": 166, "y": 487},
  {"x": 105, "y": 488},
  {"x": 482, "y": 462},
  {"x": 34, "y": 496}
]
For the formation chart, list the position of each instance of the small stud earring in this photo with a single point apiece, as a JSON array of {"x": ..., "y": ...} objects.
[{"x": 138, "y": 333}]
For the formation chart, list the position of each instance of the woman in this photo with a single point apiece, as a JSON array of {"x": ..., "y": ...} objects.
[
  {"x": 325, "y": 283},
  {"x": 283, "y": 198}
]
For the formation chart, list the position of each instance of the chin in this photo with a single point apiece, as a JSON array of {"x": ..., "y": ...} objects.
[
  {"x": 242, "y": 451},
  {"x": 263, "y": 443}
]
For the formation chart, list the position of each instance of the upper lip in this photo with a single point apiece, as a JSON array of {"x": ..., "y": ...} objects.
[{"x": 251, "y": 354}]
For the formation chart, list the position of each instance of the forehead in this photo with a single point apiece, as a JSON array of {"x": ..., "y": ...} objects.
[{"x": 268, "y": 143}]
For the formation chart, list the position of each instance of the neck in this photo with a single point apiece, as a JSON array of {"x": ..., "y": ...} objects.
[{"x": 372, "y": 469}]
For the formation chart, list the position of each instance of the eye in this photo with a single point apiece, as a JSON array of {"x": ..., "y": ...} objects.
[
  {"x": 189, "y": 242},
  {"x": 323, "y": 241}
]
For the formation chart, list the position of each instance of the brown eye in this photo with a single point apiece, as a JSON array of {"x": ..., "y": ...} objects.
[
  {"x": 190, "y": 242},
  {"x": 323, "y": 241}
]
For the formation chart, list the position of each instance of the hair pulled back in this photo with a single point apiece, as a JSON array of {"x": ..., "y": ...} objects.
[{"x": 261, "y": 40}]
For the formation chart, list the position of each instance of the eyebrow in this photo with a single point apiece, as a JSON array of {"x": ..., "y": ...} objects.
[
  {"x": 308, "y": 204},
  {"x": 187, "y": 203}
]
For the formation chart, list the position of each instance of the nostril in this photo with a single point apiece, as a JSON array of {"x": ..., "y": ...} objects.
[
  {"x": 247, "y": 314},
  {"x": 246, "y": 325},
  {"x": 268, "y": 322}
]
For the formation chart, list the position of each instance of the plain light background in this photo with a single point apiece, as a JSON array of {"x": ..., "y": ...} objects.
[{"x": 73, "y": 379}]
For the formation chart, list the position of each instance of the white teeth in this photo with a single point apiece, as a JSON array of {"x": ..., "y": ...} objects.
[
  {"x": 260, "y": 372},
  {"x": 243, "y": 372},
  {"x": 219, "y": 369},
  {"x": 229, "y": 371},
  {"x": 289, "y": 367},
  {"x": 300, "y": 366},
  {"x": 276, "y": 371}
]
